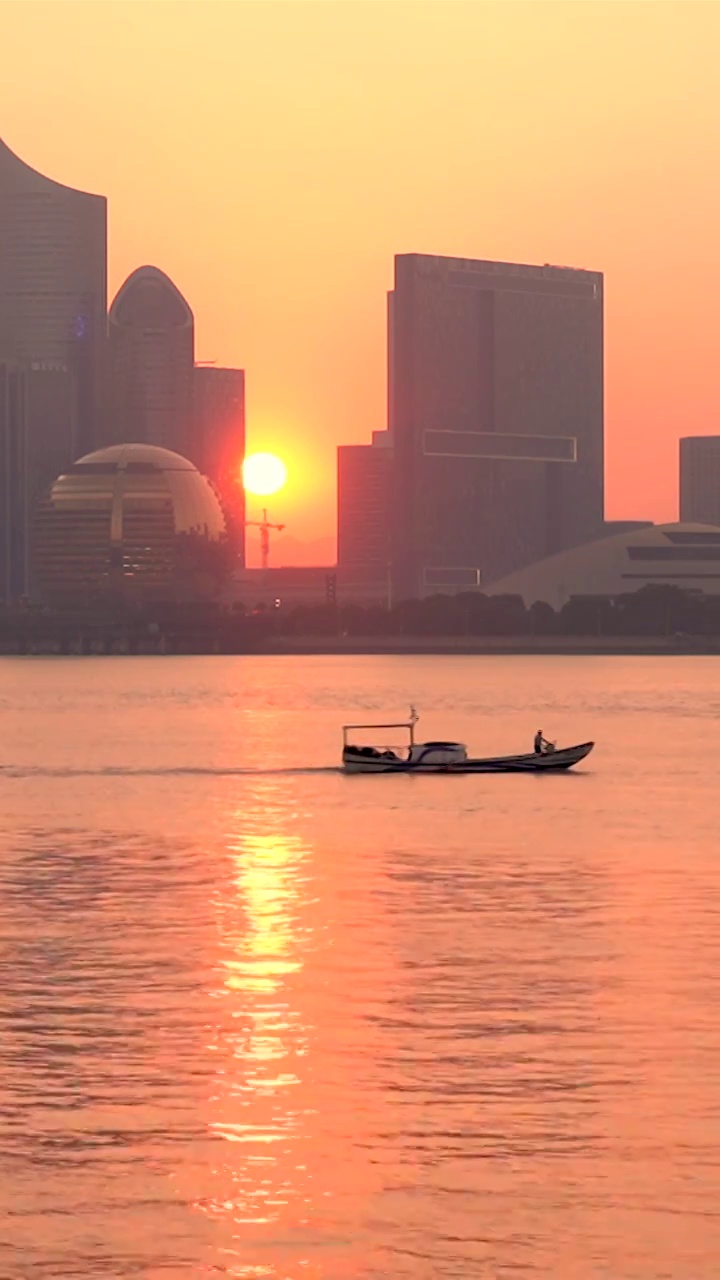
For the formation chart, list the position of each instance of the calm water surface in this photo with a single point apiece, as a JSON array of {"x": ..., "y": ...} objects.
[{"x": 258, "y": 1019}]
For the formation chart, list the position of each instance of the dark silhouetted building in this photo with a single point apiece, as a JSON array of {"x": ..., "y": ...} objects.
[
  {"x": 53, "y": 302},
  {"x": 38, "y": 438},
  {"x": 700, "y": 479},
  {"x": 363, "y": 510},
  {"x": 132, "y": 523},
  {"x": 496, "y": 391},
  {"x": 219, "y": 444},
  {"x": 151, "y": 363},
  {"x": 53, "y": 280}
]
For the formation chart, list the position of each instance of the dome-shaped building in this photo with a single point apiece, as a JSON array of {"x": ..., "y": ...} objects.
[{"x": 132, "y": 521}]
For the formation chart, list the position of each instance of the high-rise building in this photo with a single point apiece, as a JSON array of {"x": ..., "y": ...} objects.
[
  {"x": 219, "y": 442},
  {"x": 53, "y": 303},
  {"x": 496, "y": 391},
  {"x": 151, "y": 364},
  {"x": 700, "y": 479},
  {"x": 38, "y": 438},
  {"x": 53, "y": 280},
  {"x": 363, "y": 510}
]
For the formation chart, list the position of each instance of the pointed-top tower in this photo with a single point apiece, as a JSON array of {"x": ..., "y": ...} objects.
[{"x": 152, "y": 355}]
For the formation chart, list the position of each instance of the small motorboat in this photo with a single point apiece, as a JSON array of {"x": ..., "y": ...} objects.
[{"x": 446, "y": 757}]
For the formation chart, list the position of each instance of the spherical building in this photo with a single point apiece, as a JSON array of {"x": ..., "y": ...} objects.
[
  {"x": 132, "y": 521},
  {"x": 670, "y": 555}
]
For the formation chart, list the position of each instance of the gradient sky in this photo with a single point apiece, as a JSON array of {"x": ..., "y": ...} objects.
[{"x": 272, "y": 157}]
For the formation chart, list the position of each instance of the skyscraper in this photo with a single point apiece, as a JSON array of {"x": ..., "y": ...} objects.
[
  {"x": 151, "y": 364},
  {"x": 363, "y": 510},
  {"x": 53, "y": 273},
  {"x": 700, "y": 479},
  {"x": 496, "y": 388},
  {"x": 219, "y": 442},
  {"x": 38, "y": 437}
]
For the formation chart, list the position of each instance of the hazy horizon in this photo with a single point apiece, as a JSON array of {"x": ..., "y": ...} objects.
[{"x": 273, "y": 157}]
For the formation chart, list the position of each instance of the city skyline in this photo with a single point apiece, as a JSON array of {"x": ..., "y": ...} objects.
[
  {"x": 516, "y": 151},
  {"x": 76, "y": 375}
]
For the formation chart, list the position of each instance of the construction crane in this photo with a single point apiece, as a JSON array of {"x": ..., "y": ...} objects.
[{"x": 264, "y": 526}]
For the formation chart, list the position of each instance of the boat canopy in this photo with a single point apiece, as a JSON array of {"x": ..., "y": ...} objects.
[{"x": 408, "y": 724}]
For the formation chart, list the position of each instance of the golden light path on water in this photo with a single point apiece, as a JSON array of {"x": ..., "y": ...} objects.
[{"x": 270, "y": 1104}]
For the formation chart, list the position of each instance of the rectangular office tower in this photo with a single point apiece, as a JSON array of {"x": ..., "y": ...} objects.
[
  {"x": 219, "y": 442},
  {"x": 495, "y": 376},
  {"x": 700, "y": 480},
  {"x": 363, "y": 511}
]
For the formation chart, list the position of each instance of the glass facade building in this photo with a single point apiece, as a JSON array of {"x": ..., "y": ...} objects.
[
  {"x": 495, "y": 380},
  {"x": 133, "y": 522},
  {"x": 152, "y": 363},
  {"x": 53, "y": 282},
  {"x": 53, "y": 323}
]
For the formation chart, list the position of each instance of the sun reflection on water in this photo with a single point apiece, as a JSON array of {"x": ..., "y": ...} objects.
[
  {"x": 262, "y": 1108},
  {"x": 265, "y": 1035}
]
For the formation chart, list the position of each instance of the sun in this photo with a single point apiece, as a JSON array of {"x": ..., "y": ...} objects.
[{"x": 263, "y": 474}]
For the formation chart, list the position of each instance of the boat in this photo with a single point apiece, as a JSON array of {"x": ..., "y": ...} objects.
[{"x": 446, "y": 757}]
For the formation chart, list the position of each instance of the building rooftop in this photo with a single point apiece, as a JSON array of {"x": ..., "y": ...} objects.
[{"x": 122, "y": 456}]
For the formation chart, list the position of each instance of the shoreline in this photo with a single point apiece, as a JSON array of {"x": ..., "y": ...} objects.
[
  {"x": 511, "y": 646},
  {"x": 85, "y": 644}
]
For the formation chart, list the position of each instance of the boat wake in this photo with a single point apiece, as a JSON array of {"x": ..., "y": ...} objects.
[{"x": 120, "y": 771}]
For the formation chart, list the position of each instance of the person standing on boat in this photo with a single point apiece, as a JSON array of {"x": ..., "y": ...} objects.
[{"x": 541, "y": 744}]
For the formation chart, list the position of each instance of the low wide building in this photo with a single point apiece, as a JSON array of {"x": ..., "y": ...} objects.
[{"x": 676, "y": 555}]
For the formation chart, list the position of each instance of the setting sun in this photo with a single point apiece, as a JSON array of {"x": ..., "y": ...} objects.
[{"x": 263, "y": 474}]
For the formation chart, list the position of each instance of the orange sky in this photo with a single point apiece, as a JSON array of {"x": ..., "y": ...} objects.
[{"x": 272, "y": 157}]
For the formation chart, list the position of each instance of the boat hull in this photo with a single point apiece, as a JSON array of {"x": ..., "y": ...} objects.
[{"x": 553, "y": 762}]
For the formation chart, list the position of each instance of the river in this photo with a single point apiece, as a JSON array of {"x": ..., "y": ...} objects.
[{"x": 262, "y": 1020}]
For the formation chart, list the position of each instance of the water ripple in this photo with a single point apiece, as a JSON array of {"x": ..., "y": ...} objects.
[{"x": 257, "y": 1023}]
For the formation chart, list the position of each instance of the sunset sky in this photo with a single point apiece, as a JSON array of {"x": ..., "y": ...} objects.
[{"x": 273, "y": 157}]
